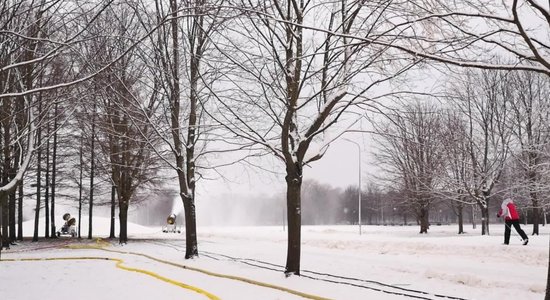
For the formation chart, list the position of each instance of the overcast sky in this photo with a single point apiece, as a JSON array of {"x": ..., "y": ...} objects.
[{"x": 338, "y": 168}]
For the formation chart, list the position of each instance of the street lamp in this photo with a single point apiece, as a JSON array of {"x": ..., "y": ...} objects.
[{"x": 359, "y": 183}]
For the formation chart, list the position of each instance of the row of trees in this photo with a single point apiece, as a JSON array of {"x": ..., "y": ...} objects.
[
  {"x": 176, "y": 84},
  {"x": 487, "y": 139}
]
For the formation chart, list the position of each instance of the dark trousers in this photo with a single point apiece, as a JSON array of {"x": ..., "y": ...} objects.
[{"x": 508, "y": 228}]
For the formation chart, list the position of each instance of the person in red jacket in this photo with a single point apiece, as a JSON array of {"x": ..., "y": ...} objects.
[{"x": 511, "y": 217}]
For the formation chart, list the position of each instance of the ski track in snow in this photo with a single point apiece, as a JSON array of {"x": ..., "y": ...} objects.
[{"x": 382, "y": 261}]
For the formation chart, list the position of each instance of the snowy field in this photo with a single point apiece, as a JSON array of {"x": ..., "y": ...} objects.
[{"x": 247, "y": 263}]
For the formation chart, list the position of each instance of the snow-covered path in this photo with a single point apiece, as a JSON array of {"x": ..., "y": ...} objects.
[{"x": 247, "y": 263}]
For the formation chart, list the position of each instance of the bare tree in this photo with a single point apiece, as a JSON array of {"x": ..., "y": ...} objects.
[
  {"x": 411, "y": 148},
  {"x": 180, "y": 77},
  {"x": 530, "y": 127},
  {"x": 483, "y": 96},
  {"x": 457, "y": 163},
  {"x": 294, "y": 75},
  {"x": 124, "y": 134}
]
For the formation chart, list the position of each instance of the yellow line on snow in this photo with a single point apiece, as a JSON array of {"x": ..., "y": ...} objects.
[
  {"x": 237, "y": 278},
  {"x": 100, "y": 245},
  {"x": 119, "y": 264}
]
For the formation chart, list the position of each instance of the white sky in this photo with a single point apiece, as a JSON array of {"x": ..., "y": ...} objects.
[{"x": 338, "y": 168}]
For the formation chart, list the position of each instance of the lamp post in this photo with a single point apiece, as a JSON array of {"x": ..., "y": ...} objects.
[{"x": 359, "y": 181}]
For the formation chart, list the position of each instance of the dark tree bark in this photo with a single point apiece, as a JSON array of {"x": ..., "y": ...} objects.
[
  {"x": 424, "y": 218},
  {"x": 536, "y": 215},
  {"x": 47, "y": 184},
  {"x": 92, "y": 175},
  {"x": 460, "y": 216},
  {"x": 12, "y": 198},
  {"x": 294, "y": 217},
  {"x": 11, "y": 221},
  {"x": 191, "y": 244},
  {"x": 54, "y": 171},
  {"x": 113, "y": 204},
  {"x": 38, "y": 177},
  {"x": 20, "y": 212},
  {"x": 5, "y": 168},
  {"x": 80, "y": 178},
  {"x": 21, "y": 120},
  {"x": 484, "y": 207},
  {"x": 4, "y": 219},
  {"x": 123, "y": 218}
]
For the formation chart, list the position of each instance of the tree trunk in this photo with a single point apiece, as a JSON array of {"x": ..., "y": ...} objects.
[
  {"x": 473, "y": 216},
  {"x": 38, "y": 176},
  {"x": 191, "y": 245},
  {"x": 21, "y": 120},
  {"x": 54, "y": 171},
  {"x": 5, "y": 133},
  {"x": 294, "y": 217},
  {"x": 47, "y": 185},
  {"x": 11, "y": 221},
  {"x": 92, "y": 171},
  {"x": 533, "y": 178},
  {"x": 81, "y": 166},
  {"x": 113, "y": 204},
  {"x": 536, "y": 217},
  {"x": 123, "y": 219},
  {"x": 424, "y": 220},
  {"x": 12, "y": 200},
  {"x": 186, "y": 178},
  {"x": 4, "y": 219},
  {"x": 20, "y": 213},
  {"x": 485, "y": 219},
  {"x": 460, "y": 214}
]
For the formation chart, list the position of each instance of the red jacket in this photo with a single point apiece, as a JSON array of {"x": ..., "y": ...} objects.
[{"x": 508, "y": 210}]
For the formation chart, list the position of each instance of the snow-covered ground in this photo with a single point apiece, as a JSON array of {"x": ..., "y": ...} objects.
[{"x": 247, "y": 263}]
